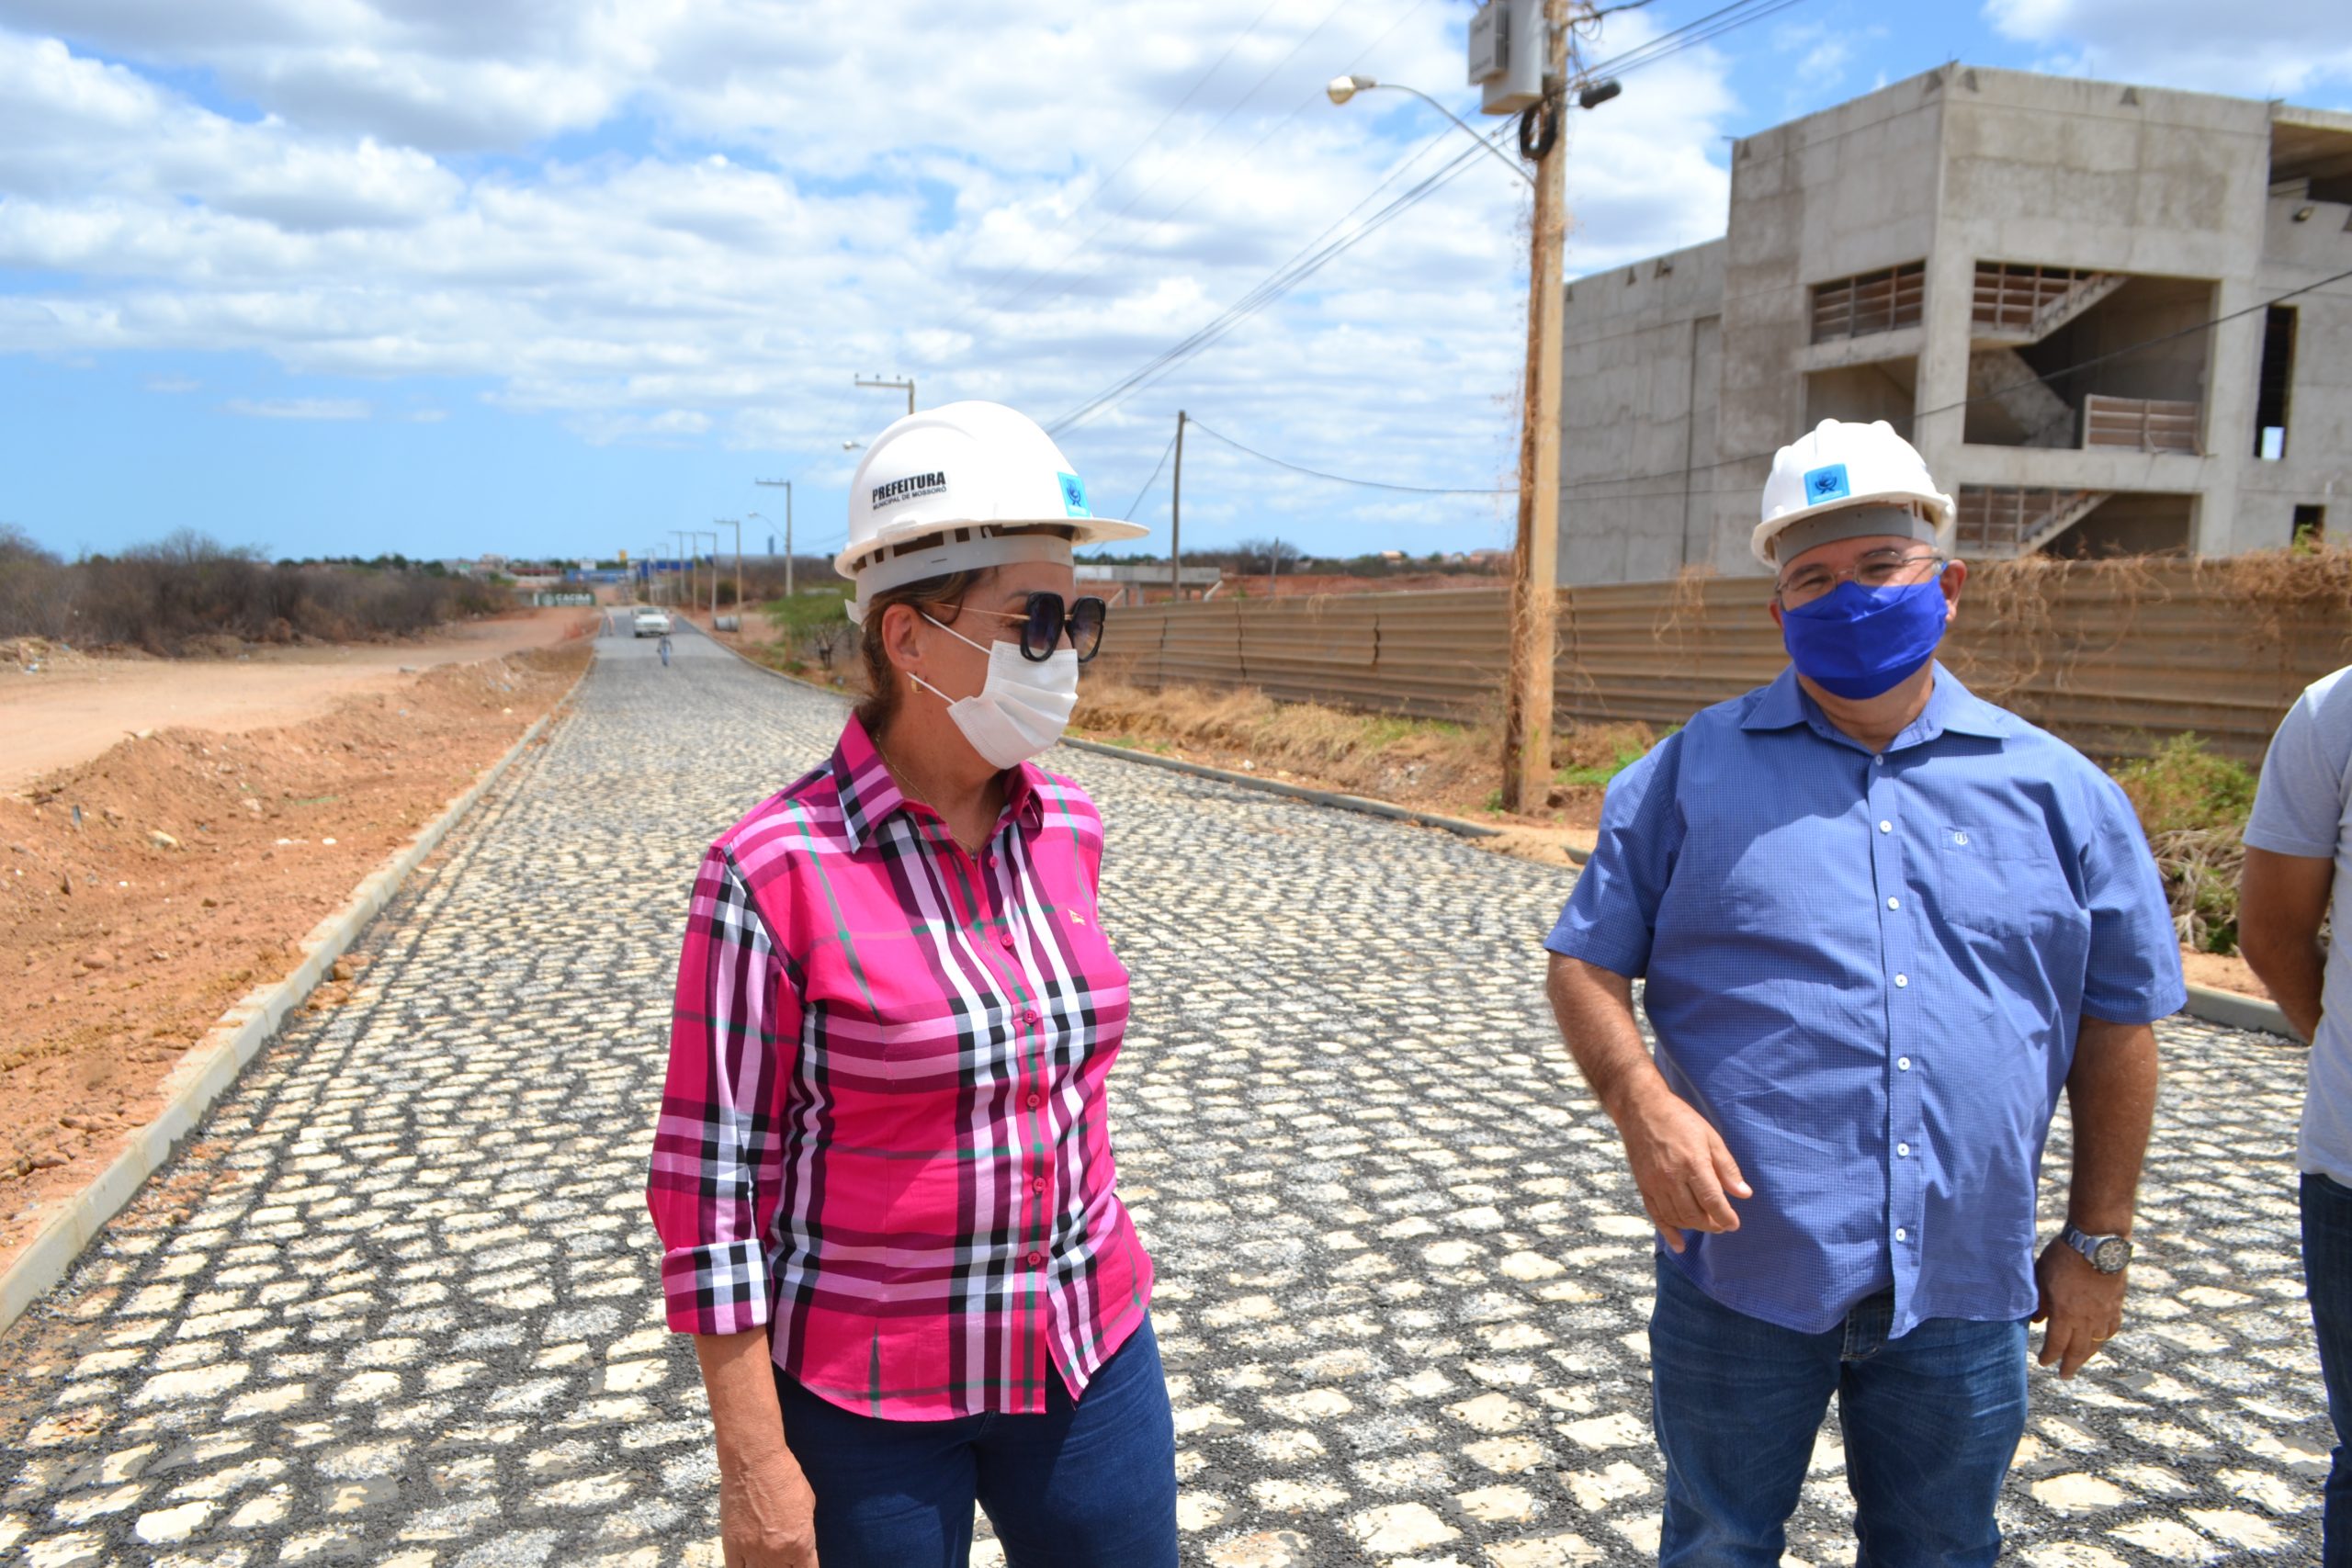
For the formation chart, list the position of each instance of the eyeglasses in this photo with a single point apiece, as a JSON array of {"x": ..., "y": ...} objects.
[
  {"x": 1047, "y": 617},
  {"x": 1875, "y": 570}
]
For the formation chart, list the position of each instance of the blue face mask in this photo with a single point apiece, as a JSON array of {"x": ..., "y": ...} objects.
[{"x": 1856, "y": 642}]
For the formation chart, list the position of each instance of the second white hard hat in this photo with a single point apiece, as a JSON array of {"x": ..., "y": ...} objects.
[
  {"x": 959, "y": 487},
  {"x": 1841, "y": 465}
]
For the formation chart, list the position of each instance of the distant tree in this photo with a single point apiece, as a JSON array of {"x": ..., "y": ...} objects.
[{"x": 1264, "y": 555}]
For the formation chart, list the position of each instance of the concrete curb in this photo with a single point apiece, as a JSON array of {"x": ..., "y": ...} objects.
[
  {"x": 1334, "y": 798},
  {"x": 2234, "y": 1011},
  {"x": 213, "y": 1064}
]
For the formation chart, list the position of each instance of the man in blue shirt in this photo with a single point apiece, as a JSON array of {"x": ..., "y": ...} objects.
[{"x": 1880, "y": 924}]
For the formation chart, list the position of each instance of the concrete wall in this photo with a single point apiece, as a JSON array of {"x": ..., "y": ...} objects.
[
  {"x": 2317, "y": 468},
  {"x": 1637, "y": 428}
]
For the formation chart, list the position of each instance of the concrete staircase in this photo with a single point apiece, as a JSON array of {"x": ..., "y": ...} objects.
[
  {"x": 2025, "y": 304},
  {"x": 2000, "y": 376},
  {"x": 2001, "y": 522}
]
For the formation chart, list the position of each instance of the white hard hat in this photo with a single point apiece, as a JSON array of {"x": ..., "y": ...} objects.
[
  {"x": 943, "y": 491},
  {"x": 1844, "y": 468}
]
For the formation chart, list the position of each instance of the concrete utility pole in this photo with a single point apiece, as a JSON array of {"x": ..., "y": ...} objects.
[
  {"x": 686, "y": 564},
  {"x": 893, "y": 385},
  {"x": 1536, "y": 564},
  {"x": 737, "y": 525},
  {"x": 1176, "y": 521},
  {"x": 787, "y": 484},
  {"x": 712, "y": 534}
]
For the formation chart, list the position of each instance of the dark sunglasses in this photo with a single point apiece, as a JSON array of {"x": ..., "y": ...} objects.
[{"x": 1047, "y": 617}]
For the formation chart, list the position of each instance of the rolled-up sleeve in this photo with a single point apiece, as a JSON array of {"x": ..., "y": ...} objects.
[
  {"x": 714, "y": 1185},
  {"x": 2299, "y": 805},
  {"x": 2133, "y": 976},
  {"x": 1611, "y": 914}
]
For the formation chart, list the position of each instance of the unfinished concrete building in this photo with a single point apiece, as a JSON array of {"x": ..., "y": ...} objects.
[{"x": 2061, "y": 290}]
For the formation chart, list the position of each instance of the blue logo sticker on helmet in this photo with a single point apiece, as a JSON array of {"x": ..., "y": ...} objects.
[
  {"x": 1074, "y": 496},
  {"x": 1827, "y": 484}
]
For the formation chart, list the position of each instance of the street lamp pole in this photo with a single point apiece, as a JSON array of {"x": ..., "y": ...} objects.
[
  {"x": 787, "y": 485},
  {"x": 712, "y": 534},
  {"x": 685, "y": 562},
  {"x": 1176, "y": 520},
  {"x": 893, "y": 384},
  {"x": 1342, "y": 88}
]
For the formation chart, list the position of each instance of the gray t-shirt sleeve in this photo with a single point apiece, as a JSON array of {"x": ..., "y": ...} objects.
[{"x": 2299, "y": 804}]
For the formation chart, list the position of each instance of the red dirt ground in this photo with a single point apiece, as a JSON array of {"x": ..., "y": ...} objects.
[{"x": 200, "y": 861}]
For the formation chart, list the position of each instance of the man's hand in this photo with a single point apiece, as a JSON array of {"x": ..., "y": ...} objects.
[
  {"x": 1681, "y": 1166},
  {"x": 767, "y": 1515},
  {"x": 2082, "y": 1307}
]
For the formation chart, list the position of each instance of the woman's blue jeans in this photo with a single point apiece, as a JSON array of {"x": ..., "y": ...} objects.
[
  {"x": 1931, "y": 1421},
  {"x": 1086, "y": 1484}
]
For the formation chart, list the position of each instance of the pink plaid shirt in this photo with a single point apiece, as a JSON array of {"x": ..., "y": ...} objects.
[{"x": 884, "y": 1133}]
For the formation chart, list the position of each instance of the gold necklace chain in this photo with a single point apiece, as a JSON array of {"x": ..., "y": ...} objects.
[{"x": 899, "y": 778}]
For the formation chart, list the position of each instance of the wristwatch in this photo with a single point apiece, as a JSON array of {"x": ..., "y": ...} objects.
[{"x": 2108, "y": 1254}]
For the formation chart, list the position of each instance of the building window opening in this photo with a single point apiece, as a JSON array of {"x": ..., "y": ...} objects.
[
  {"x": 1869, "y": 302},
  {"x": 2277, "y": 378},
  {"x": 2310, "y": 528}
]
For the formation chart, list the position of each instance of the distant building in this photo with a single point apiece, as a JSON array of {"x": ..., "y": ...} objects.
[{"x": 2023, "y": 273}]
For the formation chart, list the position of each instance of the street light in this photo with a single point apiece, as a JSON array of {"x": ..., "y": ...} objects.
[
  {"x": 1342, "y": 88},
  {"x": 905, "y": 384},
  {"x": 785, "y": 485}
]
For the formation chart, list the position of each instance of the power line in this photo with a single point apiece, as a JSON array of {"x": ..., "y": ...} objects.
[
  {"x": 1296, "y": 271},
  {"x": 1130, "y": 511},
  {"x": 1341, "y": 479}
]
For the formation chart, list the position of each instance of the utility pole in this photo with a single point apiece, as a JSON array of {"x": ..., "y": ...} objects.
[
  {"x": 685, "y": 562},
  {"x": 1176, "y": 520},
  {"x": 736, "y": 523},
  {"x": 1536, "y": 564},
  {"x": 907, "y": 382},
  {"x": 712, "y": 534},
  {"x": 787, "y": 484}
]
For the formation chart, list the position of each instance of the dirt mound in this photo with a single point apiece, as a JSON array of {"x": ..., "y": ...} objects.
[{"x": 144, "y": 891}]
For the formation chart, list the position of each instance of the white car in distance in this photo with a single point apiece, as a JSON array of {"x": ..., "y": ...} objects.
[{"x": 650, "y": 623}]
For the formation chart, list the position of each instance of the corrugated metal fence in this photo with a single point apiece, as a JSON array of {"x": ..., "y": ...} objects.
[{"x": 2114, "y": 661}]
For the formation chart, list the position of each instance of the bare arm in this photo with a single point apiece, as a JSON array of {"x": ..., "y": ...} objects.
[
  {"x": 2111, "y": 1090},
  {"x": 766, "y": 1512},
  {"x": 1678, "y": 1158},
  {"x": 2282, "y": 899}
]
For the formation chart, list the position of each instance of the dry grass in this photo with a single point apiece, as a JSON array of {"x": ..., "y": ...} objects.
[{"x": 1426, "y": 762}]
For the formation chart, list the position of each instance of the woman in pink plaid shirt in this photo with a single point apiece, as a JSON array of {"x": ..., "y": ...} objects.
[{"x": 882, "y": 1174}]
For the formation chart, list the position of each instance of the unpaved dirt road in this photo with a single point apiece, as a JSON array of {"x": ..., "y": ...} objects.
[{"x": 75, "y": 708}]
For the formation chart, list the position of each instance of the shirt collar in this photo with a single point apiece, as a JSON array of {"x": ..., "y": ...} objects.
[
  {"x": 1950, "y": 706},
  {"x": 869, "y": 795}
]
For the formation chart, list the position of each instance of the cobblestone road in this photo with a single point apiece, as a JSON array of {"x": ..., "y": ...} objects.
[{"x": 398, "y": 1304}]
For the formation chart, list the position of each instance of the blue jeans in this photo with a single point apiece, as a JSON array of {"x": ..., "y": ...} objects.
[
  {"x": 1086, "y": 1484},
  {"x": 1931, "y": 1421},
  {"x": 2327, "y": 1281}
]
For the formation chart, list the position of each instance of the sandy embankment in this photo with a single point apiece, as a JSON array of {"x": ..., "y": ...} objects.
[{"x": 203, "y": 855}]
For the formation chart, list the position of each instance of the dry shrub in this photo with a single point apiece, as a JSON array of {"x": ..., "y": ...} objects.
[
  {"x": 2193, "y": 806},
  {"x": 186, "y": 593}
]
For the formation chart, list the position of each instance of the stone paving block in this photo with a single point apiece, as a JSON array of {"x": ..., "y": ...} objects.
[{"x": 410, "y": 1314}]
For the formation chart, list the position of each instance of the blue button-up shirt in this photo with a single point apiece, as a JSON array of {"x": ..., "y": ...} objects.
[{"x": 1867, "y": 971}]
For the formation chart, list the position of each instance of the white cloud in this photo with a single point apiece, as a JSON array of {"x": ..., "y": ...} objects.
[
  {"x": 2282, "y": 49},
  {"x": 173, "y": 384},
  {"x": 753, "y": 202},
  {"x": 297, "y": 408}
]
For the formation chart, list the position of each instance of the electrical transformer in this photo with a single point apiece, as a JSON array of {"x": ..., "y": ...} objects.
[{"x": 1508, "y": 48}]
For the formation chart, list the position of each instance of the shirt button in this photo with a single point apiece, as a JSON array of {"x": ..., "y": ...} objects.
[
  {"x": 1884, "y": 826},
  {"x": 1006, "y": 938},
  {"x": 1902, "y": 1149},
  {"x": 1037, "y": 1186},
  {"x": 1894, "y": 903},
  {"x": 1903, "y": 1064},
  {"x": 1901, "y": 981},
  {"x": 1959, "y": 837},
  {"x": 1036, "y": 1258},
  {"x": 1900, "y": 1235},
  {"x": 1879, "y": 757},
  {"x": 1035, "y": 1101},
  {"x": 1028, "y": 1015}
]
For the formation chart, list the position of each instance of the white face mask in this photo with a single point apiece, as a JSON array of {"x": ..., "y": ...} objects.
[{"x": 1024, "y": 706}]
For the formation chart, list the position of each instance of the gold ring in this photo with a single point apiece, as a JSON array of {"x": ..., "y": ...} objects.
[{"x": 2102, "y": 1338}]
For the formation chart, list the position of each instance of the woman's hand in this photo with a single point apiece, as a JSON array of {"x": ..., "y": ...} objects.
[{"x": 767, "y": 1515}]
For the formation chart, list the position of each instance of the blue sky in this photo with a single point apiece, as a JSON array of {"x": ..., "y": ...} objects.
[{"x": 456, "y": 279}]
